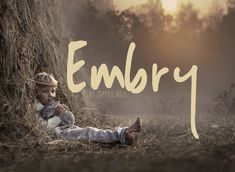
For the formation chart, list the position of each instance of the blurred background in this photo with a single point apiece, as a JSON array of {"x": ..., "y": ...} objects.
[{"x": 171, "y": 33}]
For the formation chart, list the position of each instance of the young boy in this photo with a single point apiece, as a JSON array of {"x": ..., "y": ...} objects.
[{"x": 56, "y": 119}]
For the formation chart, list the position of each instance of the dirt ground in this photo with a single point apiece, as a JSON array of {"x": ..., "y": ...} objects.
[{"x": 161, "y": 147}]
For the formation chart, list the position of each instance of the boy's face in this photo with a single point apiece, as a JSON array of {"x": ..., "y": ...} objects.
[{"x": 46, "y": 94}]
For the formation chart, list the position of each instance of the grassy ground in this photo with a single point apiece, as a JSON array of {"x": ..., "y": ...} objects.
[
  {"x": 161, "y": 147},
  {"x": 32, "y": 41}
]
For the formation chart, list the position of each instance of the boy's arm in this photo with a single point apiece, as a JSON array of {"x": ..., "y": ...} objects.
[
  {"x": 49, "y": 123},
  {"x": 47, "y": 112}
]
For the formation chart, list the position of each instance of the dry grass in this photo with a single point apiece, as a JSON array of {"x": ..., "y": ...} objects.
[
  {"x": 33, "y": 39},
  {"x": 162, "y": 147}
]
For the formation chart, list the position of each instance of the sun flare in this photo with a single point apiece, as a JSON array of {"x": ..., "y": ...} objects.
[{"x": 170, "y": 6}]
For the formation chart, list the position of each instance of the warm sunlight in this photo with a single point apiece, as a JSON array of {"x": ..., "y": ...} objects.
[
  {"x": 124, "y": 4},
  {"x": 170, "y": 6}
]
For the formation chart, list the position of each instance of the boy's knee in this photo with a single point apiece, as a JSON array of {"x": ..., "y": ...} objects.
[{"x": 67, "y": 119}]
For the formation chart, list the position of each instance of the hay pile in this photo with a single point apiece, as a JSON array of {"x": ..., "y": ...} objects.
[{"x": 33, "y": 39}]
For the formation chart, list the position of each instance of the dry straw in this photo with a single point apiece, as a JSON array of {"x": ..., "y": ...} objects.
[{"x": 32, "y": 39}]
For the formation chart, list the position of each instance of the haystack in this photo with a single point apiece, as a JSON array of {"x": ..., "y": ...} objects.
[{"x": 33, "y": 39}]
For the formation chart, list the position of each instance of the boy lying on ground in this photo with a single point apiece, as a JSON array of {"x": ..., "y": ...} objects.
[{"x": 57, "y": 120}]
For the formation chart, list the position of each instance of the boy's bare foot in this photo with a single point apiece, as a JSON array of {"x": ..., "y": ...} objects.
[{"x": 136, "y": 126}]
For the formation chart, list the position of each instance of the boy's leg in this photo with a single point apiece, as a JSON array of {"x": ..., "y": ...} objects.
[
  {"x": 93, "y": 134},
  {"x": 126, "y": 135}
]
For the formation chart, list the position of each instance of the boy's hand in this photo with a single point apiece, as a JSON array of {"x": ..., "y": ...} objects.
[{"x": 59, "y": 110}]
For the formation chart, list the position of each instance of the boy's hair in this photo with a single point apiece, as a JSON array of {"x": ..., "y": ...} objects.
[{"x": 45, "y": 79}]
